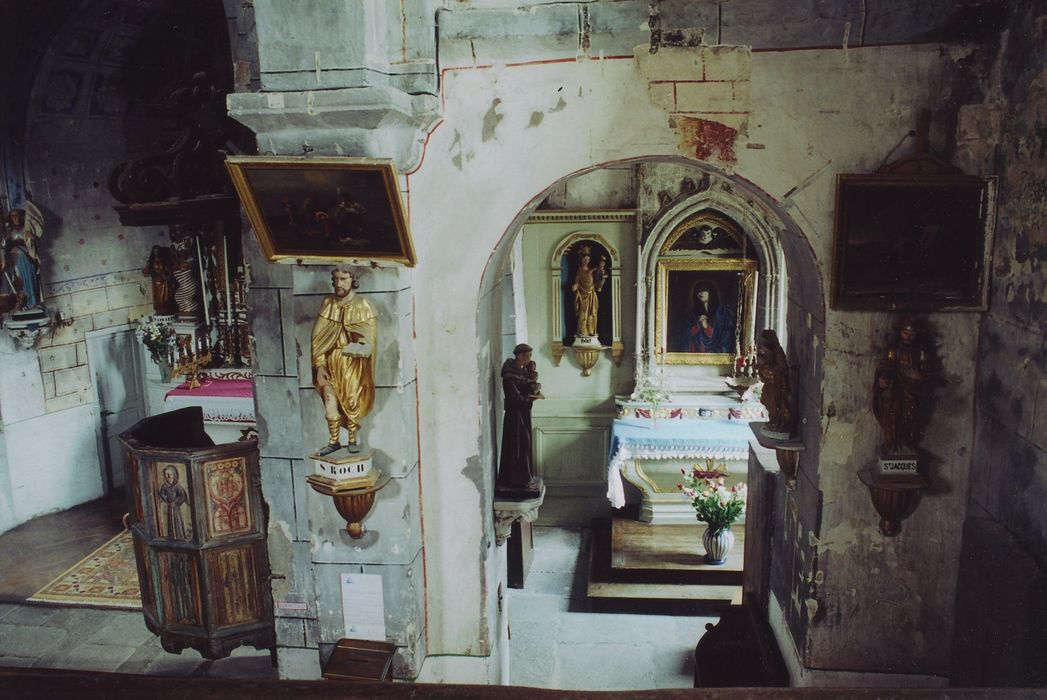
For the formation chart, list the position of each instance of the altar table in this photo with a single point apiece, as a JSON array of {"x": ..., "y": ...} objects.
[
  {"x": 633, "y": 438},
  {"x": 228, "y": 405}
]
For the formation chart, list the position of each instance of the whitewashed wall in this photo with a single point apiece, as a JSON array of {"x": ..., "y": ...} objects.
[{"x": 490, "y": 159}]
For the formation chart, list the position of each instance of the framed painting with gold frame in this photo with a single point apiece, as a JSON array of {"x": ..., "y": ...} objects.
[
  {"x": 324, "y": 210},
  {"x": 704, "y": 313}
]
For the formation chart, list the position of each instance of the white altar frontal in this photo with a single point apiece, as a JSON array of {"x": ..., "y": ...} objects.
[{"x": 711, "y": 433}]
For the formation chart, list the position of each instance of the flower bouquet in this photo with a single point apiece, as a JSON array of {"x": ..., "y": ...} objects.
[
  {"x": 159, "y": 339},
  {"x": 718, "y": 507}
]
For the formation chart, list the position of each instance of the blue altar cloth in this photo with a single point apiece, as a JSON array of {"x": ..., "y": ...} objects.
[{"x": 672, "y": 439}]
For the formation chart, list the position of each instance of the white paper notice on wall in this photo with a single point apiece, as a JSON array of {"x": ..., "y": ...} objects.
[{"x": 363, "y": 607}]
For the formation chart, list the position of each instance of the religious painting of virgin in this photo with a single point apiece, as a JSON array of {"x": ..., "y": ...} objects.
[
  {"x": 704, "y": 310},
  {"x": 585, "y": 274},
  {"x": 323, "y": 210},
  {"x": 912, "y": 243},
  {"x": 171, "y": 501}
]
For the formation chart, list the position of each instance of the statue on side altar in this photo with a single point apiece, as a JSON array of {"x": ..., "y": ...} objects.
[
  {"x": 515, "y": 465},
  {"x": 588, "y": 281},
  {"x": 160, "y": 268},
  {"x": 20, "y": 259},
  {"x": 343, "y": 357},
  {"x": 898, "y": 390},
  {"x": 773, "y": 370}
]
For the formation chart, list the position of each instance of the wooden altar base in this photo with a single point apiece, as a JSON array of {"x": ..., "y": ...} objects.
[{"x": 659, "y": 569}]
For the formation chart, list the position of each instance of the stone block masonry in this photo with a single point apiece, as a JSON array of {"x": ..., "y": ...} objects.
[
  {"x": 84, "y": 305},
  {"x": 705, "y": 90}
]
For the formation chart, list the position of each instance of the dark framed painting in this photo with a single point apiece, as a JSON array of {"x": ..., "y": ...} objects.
[
  {"x": 324, "y": 210},
  {"x": 912, "y": 243},
  {"x": 704, "y": 313}
]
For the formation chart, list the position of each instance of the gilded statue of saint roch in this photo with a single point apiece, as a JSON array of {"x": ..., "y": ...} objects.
[{"x": 343, "y": 358}]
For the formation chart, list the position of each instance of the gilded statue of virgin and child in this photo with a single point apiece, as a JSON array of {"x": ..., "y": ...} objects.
[{"x": 588, "y": 282}]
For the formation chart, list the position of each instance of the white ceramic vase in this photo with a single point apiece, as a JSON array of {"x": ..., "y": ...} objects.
[{"x": 717, "y": 545}]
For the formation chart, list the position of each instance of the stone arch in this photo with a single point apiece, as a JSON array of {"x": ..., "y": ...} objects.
[{"x": 782, "y": 247}]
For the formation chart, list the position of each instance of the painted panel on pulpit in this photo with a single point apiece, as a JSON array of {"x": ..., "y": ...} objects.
[
  {"x": 234, "y": 577},
  {"x": 228, "y": 510},
  {"x": 174, "y": 518},
  {"x": 180, "y": 575}
]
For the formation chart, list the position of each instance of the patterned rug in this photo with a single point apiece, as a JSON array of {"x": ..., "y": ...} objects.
[{"x": 105, "y": 578}]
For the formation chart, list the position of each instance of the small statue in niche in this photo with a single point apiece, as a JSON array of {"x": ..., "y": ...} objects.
[
  {"x": 160, "y": 267},
  {"x": 344, "y": 338},
  {"x": 184, "y": 272},
  {"x": 515, "y": 465},
  {"x": 20, "y": 261},
  {"x": 588, "y": 282},
  {"x": 773, "y": 370},
  {"x": 898, "y": 390}
]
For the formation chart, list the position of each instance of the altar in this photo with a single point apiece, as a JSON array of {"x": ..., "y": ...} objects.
[
  {"x": 227, "y": 403},
  {"x": 649, "y": 454}
]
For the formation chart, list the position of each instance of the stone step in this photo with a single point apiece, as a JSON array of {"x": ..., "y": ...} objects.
[{"x": 688, "y": 588}]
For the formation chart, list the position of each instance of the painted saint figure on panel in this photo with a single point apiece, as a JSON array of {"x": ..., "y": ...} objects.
[{"x": 172, "y": 512}]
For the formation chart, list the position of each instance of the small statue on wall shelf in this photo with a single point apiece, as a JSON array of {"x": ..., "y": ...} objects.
[
  {"x": 160, "y": 268},
  {"x": 588, "y": 282},
  {"x": 20, "y": 259},
  {"x": 901, "y": 379},
  {"x": 515, "y": 465},
  {"x": 344, "y": 338},
  {"x": 773, "y": 369}
]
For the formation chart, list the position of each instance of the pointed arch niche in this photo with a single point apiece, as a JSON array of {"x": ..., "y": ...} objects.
[{"x": 740, "y": 232}]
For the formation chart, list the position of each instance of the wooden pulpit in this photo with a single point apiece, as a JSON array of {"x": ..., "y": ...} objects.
[{"x": 199, "y": 530}]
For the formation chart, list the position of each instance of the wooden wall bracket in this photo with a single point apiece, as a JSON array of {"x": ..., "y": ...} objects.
[
  {"x": 893, "y": 497},
  {"x": 352, "y": 504},
  {"x": 787, "y": 451}
]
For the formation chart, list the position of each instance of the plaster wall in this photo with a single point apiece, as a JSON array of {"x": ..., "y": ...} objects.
[
  {"x": 572, "y": 423},
  {"x": 799, "y": 133}
]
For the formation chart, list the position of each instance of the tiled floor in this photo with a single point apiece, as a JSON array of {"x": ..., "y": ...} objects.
[
  {"x": 107, "y": 640},
  {"x": 557, "y": 643}
]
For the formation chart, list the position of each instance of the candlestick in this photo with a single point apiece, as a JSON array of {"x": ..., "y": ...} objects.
[
  {"x": 225, "y": 269},
  {"x": 203, "y": 284}
]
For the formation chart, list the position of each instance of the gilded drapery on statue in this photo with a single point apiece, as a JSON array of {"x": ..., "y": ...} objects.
[
  {"x": 588, "y": 282},
  {"x": 343, "y": 358}
]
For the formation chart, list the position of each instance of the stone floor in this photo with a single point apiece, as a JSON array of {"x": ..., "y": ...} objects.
[
  {"x": 557, "y": 643},
  {"x": 85, "y": 639}
]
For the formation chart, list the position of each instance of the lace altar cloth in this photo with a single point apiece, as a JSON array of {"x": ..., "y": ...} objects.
[
  {"x": 672, "y": 439},
  {"x": 223, "y": 400}
]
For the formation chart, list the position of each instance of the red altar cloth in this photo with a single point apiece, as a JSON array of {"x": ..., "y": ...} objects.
[
  {"x": 223, "y": 400},
  {"x": 226, "y": 388}
]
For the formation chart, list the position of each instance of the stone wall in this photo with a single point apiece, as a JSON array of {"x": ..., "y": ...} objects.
[
  {"x": 308, "y": 545},
  {"x": 1009, "y": 465},
  {"x": 83, "y": 96}
]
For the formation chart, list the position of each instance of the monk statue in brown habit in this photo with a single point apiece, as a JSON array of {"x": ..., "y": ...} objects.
[{"x": 515, "y": 465}]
